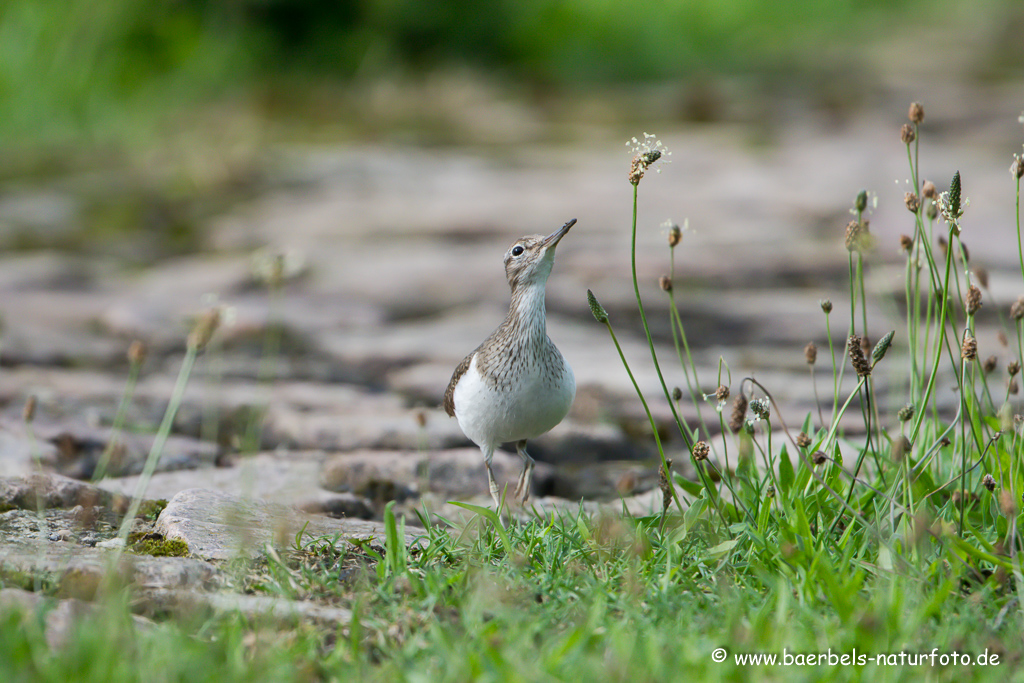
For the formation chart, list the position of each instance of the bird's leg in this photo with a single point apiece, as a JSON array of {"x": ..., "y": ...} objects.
[
  {"x": 491, "y": 484},
  {"x": 522, "y": 492}
]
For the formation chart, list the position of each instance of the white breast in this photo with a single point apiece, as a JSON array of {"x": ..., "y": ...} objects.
[{"x": 533, "y": 405}]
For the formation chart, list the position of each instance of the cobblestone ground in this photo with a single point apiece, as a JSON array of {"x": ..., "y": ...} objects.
[{"x": 392, "y": 272}]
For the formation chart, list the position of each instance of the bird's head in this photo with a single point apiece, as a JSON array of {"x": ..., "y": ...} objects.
[{"x": 528, "y": 261}]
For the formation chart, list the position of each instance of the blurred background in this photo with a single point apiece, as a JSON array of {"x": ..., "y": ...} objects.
[{"x": 153, "y": 155}]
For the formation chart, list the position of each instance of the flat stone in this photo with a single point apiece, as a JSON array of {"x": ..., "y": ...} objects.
[
  {"x": 398, "y": 475},
  {"x": 79, "y": 571},
  {"x": 378, "y": 421},
  {"x": 338, "y": 505},
  {"x": 21, "y": 454},
  {"x": 50, "y": 323},
  {"x": 288, "y": 477},
  {"x": 55, "y": 491},
  {"x": 219, "y": 526},
  {"x": 74, "y": 449}
]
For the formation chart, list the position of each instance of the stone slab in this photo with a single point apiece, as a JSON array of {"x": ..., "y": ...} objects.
[{"x": 219, "y": 526}]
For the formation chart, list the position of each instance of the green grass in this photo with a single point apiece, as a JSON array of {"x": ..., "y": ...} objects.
[{"x": 607, "y": 599}]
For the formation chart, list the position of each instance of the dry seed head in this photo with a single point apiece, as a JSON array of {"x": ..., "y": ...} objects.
[
  {"x": 906, "y": 243},
  {"x": 1012, "y": 368},
  {"x": 675, "y": 235},
  {"x": 1007, "y": 505},
  {"x": 826, "y": 306},
  {"x": 636, "y": 170},
  {"x": 928, "y": 190},
  {"x": 990, "y": 364},
  {"x": 770, "y": 491},
  {"x": 1002, "y": 338},
  {"x": 28, "y": 412},
  {"x": 665, "y": 282},
  {"x": 203, "y": 330},
  {"x": 1013, "y": 388},
  {"x": 912, "y": 202},
  {"x": 665, "y": 485},
  {"x": 137, "y": 352},
  {"x": 802, "y": 440},
  {"x": 981, "y": 273},
  {"x": 865, "y": 240},
  {"x": 900, "y": 448},
  {"x": 860, "y": 363},
  {"x": 677, "y": 394},
  {"x": 1017, "y": 309},
  {"x": 989, "y": 482},
  {"x": 905, "y": 413},
  {"x": 1017, "y": 167},
  {"x": 701, "y": 450},
  {"x": 810, "y": 353},
  {"x": 739, "y": 412},
  {"x": 907, "y": 134},
  {"x": 969, "y": 349},
  {"x": 916, "y": 112},
  {"x": 722, "y": 394},
  {"x": 973, "y": 301},
  {"x": 819, "y": 457},
  {"x": 421, "y": 418},
  {"x": 852, "y": 235}
]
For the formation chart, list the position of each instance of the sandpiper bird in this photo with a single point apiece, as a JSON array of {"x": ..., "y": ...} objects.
[{"x": 516, "y": 385}]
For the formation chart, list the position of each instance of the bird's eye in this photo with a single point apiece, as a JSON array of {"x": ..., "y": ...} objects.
[{"x": 517, "y": 250}]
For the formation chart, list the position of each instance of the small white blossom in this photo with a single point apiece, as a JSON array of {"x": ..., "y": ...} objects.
[
  {"x": 645, "y": 152},
  {"x": 761, "y": 408},
  {"x": 274, "y": 266},
  {"x": 719, "y": 405},
  {"x": 947, "y": 211}
]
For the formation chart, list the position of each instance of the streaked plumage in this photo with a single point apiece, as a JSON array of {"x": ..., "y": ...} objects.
[{"x": 516, "y": 385}]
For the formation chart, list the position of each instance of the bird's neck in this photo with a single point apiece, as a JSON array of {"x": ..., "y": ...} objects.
[{"x": 527, "y": 319}]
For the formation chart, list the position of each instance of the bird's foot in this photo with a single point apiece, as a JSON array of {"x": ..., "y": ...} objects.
[{"x": 522, "y": 492}]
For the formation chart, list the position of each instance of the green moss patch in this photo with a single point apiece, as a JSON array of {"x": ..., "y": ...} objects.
[{"x": 157, "y": 545}]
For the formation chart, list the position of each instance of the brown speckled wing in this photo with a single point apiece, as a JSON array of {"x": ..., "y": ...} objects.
[{"x": 449, "y": 393}]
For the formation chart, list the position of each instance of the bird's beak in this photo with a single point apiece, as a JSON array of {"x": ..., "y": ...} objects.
[{"x": 551, "y": 240}]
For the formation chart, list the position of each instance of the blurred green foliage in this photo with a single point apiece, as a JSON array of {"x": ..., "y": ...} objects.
[{"x": 73, "y": 69}]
